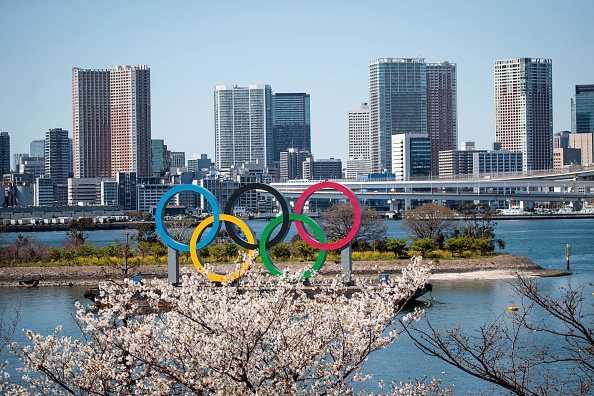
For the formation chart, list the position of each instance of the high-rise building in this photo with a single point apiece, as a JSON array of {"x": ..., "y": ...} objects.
[
  {"x": 243, "y": 125},
  {"x": 524, "y": 110},
  {"x": 127, "y": 190},
  {"x": 357, "y": 167},
  {"x": 16, "y": 160},
  {"x": 359, "y": 133},
  {"x": 32, "y": 165},
  {"x": 563, "y": 157},
  {"x": 397, "y": 104},
  {"x": 111, "y": 112},
  {"x": 467, "y": 146},
  {"x": 197, "y": 164},
  {"x": 411, "y": 156},
  {"x": 44, "y": 192},
  {"x": 442, "y": 111},
  {"x": 322, "y": 169},
  {"x": 496, "y": 161},
  {"x": 411, "y": 96},
  {"x": 130, "y": 89},
  {"x": 291, "y": 122},
  {"x": 584, "y": 142},
  {"x": 178, "y": 161},
  {"x": 57, "y": 155},
  {"x": 561, "y": 139},
  {"x": 456, "y": 162},
  {"x": 291, "y": 164},
  {"x": 157, "y": 150},
  {"x": 37, "y": 148},
  {"x": 70, "y": 159},
  {"x": 4, "y": 153},
  {"x": 583, "y": 109},
  {"x": 91, "y": 124}
]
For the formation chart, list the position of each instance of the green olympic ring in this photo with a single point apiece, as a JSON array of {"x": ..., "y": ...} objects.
[{"x": 264, "y": 252}]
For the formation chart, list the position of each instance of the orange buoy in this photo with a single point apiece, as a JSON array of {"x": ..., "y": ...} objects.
[{"x": 512, "y": 308}]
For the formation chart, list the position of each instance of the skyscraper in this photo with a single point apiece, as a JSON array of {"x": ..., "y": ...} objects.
[
  {"x": 524, "y": 110},
  {"x": 91, "y": 131},
  {"x": 397, "y": 104},
  {"x": 442, "y": 110},
  {"x": 411, "y": 155},
  {"x": 291, "y": 164},
  {"x": 243, "y": 125},
  {"x": 16, "y": 160},
  {"x": 4, "y": 153},
  {"x": 177, "y": 161},
  {"x": 411, "y": 96},
  {"x": 37, "y": 148},
  {"x": 111, "y": 121},
  {"x": 157, "y": 149},
  {"x": 57, "y": 157},
  {"x": 583, "y": 109},
  {"x": 131, "y": 120},
  {"x": 359, "y": 133},
  {"x": 291, "y": 122},
  {"x": 561, "y": 139}
]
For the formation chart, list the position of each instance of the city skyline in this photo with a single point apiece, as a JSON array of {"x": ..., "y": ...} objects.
[{"x": 328, "y": 59}]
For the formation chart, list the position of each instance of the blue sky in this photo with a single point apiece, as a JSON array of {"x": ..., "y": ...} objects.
[{"x": 319, "y": 47}]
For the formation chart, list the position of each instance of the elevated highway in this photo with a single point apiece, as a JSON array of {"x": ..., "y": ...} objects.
[{"x": 556, "y": 188}]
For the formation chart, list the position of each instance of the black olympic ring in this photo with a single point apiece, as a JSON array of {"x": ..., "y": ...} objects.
[{"x": 284, "y": 208}]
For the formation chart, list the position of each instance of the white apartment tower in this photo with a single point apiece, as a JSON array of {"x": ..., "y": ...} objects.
[
  {"x": 243, "y": 125},
  {"x": 359, "y": 133},
  {"x": 524, "y": 110}
]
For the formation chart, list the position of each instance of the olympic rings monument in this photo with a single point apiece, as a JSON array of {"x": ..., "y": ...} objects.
[{"x": 251, "y": 243}]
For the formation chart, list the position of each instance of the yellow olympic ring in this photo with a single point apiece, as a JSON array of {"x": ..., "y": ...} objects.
[{"x": 198, "y": 263}]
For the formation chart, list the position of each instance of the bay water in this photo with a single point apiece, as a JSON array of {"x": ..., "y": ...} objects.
[{"x": 470, "y": 303}]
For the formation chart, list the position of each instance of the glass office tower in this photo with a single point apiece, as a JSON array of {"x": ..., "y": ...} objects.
[
  {"x": 397, "y": 104},
  {"x": 583, "y": 109},
  {"x": 292, "y": 123},
  {"x": 4, "y": 153}
]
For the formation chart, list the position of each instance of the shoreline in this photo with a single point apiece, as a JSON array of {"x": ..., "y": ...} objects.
[{"x": 498, "y": 267}]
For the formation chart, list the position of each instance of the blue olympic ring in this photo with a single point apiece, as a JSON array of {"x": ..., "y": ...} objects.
[{"x": 163, "y": 203}]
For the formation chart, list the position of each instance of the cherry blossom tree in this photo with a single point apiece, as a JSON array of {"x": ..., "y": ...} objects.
[
  {"x": 258, "y": 336},
  {"x": 545, "y": 346}
]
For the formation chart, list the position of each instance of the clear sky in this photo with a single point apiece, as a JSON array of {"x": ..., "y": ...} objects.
[{"x": 319, "y": 47}]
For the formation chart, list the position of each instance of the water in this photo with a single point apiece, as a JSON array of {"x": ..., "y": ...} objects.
[
  {"x": 468, "y": 302},
  {"x": 57, "y": 238}
]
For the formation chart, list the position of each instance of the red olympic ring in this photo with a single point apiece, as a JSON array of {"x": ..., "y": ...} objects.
[{"x": 356, "y": 209}]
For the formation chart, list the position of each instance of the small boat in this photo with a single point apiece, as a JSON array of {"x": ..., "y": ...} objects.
[
  {"x": 29, "y": 283},
  {"x": 421, "y": 291}
]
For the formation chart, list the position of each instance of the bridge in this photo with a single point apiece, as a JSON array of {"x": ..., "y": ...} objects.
[{"x": 575, "y": 186}]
